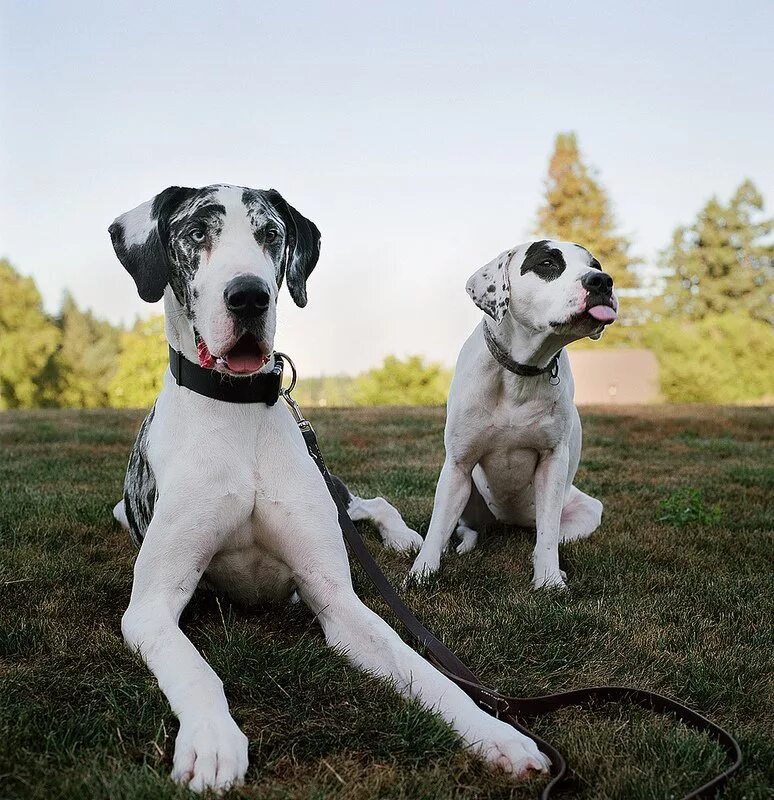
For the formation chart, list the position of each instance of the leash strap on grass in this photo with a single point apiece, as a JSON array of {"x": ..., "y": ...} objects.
[{"x": 511, "y": 709}]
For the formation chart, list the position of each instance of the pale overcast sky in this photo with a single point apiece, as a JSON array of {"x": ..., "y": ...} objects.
[{"x": 415, "y": 135}]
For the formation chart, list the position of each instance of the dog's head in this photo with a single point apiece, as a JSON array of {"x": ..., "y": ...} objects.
[
  {"x": 547, "y": 286},
  {"x": 221, "y": 254}
]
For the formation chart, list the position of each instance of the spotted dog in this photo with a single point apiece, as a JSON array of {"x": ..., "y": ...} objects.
[
  {"x": 513, "y": 441},
  {"x": 228, "y": 493}
]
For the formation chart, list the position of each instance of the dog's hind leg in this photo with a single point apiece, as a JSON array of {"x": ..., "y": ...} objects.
[
  {"x": 468, "y": 538},
  {"x": 475, "y": 515},
  {"x": 395, "y": 534},
  {"x": 581, "y": 516}
]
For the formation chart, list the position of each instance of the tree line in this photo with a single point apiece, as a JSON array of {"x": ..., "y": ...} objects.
[{"x": 705, "y": 309}]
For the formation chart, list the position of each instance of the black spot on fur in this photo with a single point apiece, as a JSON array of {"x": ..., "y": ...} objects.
[
  {"x": 140, "y": 492},
  {"x": 302, "y": 243},
  {"x": 593, "y": 263},
  {"x": 148, "y": 262},
  {"x": 545, "y": 261}
]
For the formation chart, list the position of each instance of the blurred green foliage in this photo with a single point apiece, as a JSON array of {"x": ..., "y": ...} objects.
[
  {"x": 141, "y": 366},
  {"x": 409, "y": 382},
  {"x": 723, "y": 358},
  {"x": 78, "y": 371},
  {"x": 28, "y": 338}
]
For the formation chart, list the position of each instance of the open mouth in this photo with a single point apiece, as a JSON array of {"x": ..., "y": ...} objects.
[{"x": 245, "y": 356}]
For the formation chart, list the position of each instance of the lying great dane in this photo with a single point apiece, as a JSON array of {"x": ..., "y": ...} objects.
[
  {"x": 513, "y": 434},
  {"x": 228, "y": 492}
]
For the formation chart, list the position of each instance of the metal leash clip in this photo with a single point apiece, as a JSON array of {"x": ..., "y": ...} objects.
[{"x": 295, "y": 409}]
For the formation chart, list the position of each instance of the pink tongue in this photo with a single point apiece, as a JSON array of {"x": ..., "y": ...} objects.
[
  {"x": 602, "y": 313},
  {"x": 245, "y": 362}
]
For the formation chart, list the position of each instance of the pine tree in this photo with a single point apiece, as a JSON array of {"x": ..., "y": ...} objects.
[
  {"x": 722, "y": 263},
  {"x": 78, "y": 374},
  {"x": 577, "y": 209}
]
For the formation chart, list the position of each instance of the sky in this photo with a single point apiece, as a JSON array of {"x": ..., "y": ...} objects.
[{"x": 415, "y": 135}]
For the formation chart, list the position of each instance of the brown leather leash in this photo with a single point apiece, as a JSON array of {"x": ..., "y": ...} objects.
[{"x": 511, "y": 709}]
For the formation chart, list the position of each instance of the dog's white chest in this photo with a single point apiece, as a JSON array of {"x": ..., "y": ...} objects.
[
  {"x": 515, "y": 440},
  {"x": 237, "y": 465}
]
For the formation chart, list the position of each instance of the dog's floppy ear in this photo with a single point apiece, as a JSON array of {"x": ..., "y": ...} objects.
[
  {"x": 140, "y": 239},
  {"x": 302, "y": 247},
  {"x": 490, "y": 286}
]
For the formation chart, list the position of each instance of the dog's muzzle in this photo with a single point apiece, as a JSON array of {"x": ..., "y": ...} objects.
[{"x": 599, "y": 302}]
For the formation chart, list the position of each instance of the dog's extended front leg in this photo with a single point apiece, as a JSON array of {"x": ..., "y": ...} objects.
[
  {"x": 210, "y": 750},
  {"x": 451, "y": 497},
  {"x": 550, "y": 486},
  {"x": 371, "y": 644}
]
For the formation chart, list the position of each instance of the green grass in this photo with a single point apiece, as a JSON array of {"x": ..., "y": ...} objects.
[{"x": 657, "y": 599}]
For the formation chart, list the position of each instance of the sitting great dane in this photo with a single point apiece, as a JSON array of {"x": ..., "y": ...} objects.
[
  {"x": 228, "y": 493},
  {"x": 513, "y": 434}
]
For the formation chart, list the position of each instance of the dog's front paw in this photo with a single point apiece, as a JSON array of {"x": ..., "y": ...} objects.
[
  {"x": 403, "y": 540},
  {"x": 210, "y": 754},
  {"x": 549, "y": 579},
  {"x": 506, "y": 749},
  {"x": 424, "y": 566}
]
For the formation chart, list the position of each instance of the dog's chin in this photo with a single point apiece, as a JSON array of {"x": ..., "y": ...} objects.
[{"x": 245, "y": 356}]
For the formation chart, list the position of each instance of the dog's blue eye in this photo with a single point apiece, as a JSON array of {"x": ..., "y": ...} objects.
[
  {"x": 271, "y": 235},
  {"x": 198, "y": 235},
  {"x": 546, "y": 263}
]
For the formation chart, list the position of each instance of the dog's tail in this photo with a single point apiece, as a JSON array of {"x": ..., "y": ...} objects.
[{"x": 119, "y": 512}]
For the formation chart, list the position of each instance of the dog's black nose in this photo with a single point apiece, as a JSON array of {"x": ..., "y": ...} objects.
[
  {"x": 247, "y": 296},
  {"x": 597, "y": 281}
]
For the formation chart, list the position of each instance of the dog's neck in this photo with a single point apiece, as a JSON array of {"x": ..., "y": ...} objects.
[
  {"x": 178, "y": 328},
  {"x": 524, "y": 345}
]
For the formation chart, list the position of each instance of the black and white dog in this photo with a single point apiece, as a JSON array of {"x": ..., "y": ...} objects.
[
  {"x": 228, "y": 493},
  {"x": 513, "y": 441}
]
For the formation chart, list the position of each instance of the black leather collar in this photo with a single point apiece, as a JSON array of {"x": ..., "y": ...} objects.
[
  {"x": 263, "y": 387},
  {"x": 525, "y": 370}
]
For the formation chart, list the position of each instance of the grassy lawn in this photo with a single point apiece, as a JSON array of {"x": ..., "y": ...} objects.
[{"x": 673, "y": 593}]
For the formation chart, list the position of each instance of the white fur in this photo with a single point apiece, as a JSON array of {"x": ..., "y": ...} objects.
[
  {"x": 516, "y": 440},
  {"x": 138, "y": 224},
  {"x": 242, "y": 504}
]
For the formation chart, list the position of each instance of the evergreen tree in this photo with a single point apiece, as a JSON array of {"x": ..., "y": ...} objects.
[
  {"x": 722, "y": 262},
  {"x": 577, "y": 209},
  {"x": 78, "y": 374},
  {"x": 27, "y": 338}
]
